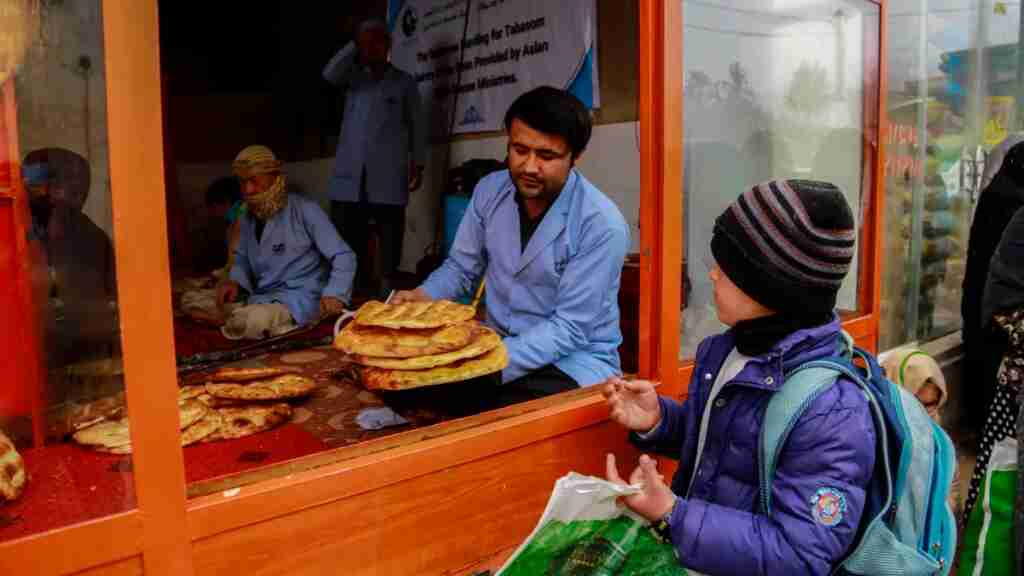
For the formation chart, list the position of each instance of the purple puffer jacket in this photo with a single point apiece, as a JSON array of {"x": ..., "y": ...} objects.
[{"x": 823, "y": 469}]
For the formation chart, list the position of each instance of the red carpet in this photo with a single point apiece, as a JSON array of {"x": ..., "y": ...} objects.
[{"x": 69, "y": 484}]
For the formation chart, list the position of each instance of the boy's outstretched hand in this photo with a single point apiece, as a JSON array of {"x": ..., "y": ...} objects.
[
  {"x": 632, "y": 404},
  {"x": 655, "y": 498}
]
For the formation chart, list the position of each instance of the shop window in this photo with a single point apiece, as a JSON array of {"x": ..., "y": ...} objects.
[
  {"x": 953, "y": 96},
  {"x": 208, "y": 86},
  {"x": 771, "y": 90},
  {"x": 63, "y": 408}
]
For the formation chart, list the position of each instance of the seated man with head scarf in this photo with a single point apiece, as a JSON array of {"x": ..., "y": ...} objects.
[{"x": 290, "y": 259}]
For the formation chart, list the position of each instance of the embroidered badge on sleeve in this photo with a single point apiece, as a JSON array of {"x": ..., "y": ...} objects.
[{"x": 828, "y": 506}]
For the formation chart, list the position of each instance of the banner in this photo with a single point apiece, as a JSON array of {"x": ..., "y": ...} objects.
[{"x": 505, "y": 47}]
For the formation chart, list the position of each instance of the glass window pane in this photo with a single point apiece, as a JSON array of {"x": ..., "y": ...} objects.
[
  {"x": 279, "y": 88},
  {"x": 65, "y": 412},
  {"x": 954, "y": 85},
  {"x": 772, "y": 90}
]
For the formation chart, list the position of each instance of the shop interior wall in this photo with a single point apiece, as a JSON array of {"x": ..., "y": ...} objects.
[
  {"x": 207, "y": 128},
  {"x": 61, "y": 93}
]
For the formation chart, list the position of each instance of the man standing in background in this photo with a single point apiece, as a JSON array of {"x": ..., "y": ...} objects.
[{"x": 380, "y": 150}]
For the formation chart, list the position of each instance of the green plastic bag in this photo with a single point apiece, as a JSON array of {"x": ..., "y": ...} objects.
[
  {"x": 989, "y": 536},
  {"x": 584, "y": 532}
]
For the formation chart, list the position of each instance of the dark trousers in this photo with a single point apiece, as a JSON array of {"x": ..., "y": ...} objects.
[
  {"x": 481, "y": 394},
  {"x": 352, "y": 219}
]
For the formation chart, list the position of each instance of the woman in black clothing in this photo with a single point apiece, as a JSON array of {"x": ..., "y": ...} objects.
[{"x": 983, "y": 345}]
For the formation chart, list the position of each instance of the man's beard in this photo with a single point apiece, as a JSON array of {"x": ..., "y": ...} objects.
[
  {"x": 269, "y": 202},
  {"x": 41, "y": 210}
]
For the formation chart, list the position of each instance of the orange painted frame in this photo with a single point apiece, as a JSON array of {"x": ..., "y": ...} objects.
[
  {"x": 165, "y": 524},
  {"x": 863, "y": 327}
]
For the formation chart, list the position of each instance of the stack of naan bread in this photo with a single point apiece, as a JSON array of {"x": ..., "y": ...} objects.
[
  {"x": 416, "y": 344},
  {"x": 233, "y": 403}
]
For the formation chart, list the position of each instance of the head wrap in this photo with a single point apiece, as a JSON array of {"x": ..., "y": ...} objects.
[{"x": 254, "y": 161}]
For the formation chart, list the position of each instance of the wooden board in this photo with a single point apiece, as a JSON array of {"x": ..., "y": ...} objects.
[{"x": 437, "y": 523}]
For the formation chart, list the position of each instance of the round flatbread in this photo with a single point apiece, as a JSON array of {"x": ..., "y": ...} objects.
[
  {"x": 209, "y": 424},
  {"x": 12, "y": 470},
  {"x": 241, "y": 421},
  {"x": 249, "y": 374},
  {"x": 484, "y": 340},
  {"x": 433, "y": 314},
  {"x": 108, "y": 434},
  {"x": 380, "y": 342},
  {"x": 111, "y": 435},
  {"x": 388, "y": 379},
  {"x": 280, "y": 388},
  {"x": 76, "y": 416}
]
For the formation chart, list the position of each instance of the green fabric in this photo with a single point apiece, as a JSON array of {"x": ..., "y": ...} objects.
[
  {"x": 618, "y": 547},
  {"x": 997, "y": 502}
]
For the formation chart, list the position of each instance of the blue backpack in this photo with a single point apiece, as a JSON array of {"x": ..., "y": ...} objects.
[{"x": 907, "y": 527}]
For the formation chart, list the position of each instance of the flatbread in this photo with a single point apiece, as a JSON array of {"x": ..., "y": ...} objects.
[
  {"x": 249, "y": 374},
  {"x": 242, "y": 421},
  {"x": 209, "y": 424},
  {"x": 387, "y": 379},
  {"x": 12, "y": 470},
  {"x": 484, "y": 340},
  {"x": 280, "y": 388},
  {"x": 111, "y": 435},
  {"x": 433, "y": 314},
  {"x": 407, "y": 343},
  {"x": 77, "y": 416}
]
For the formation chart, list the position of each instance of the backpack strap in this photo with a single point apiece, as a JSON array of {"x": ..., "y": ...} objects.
[{"x": 801, "y": 387}]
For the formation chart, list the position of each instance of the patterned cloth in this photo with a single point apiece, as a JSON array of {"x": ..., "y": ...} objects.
[{"x": 1005, "y": 408}]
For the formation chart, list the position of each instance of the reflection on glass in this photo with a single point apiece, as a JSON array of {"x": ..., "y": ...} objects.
[
  {"x": 64, "y": 413},
  {"x": 953, "y": 83},
  {"x": 772, "y": 90}
]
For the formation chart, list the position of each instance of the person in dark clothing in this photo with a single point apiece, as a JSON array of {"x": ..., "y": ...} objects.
[
  {"x": 984, "y": 346},
  {"x": 1003, "y": 312},
  {"x": 79, "y": 255}
]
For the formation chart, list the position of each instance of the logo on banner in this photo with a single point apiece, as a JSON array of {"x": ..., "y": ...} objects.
[
  {"x": 472, "y": 116},
  {"x": 409, "y": 21}
]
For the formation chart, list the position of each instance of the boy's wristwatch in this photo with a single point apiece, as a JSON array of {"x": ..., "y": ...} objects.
[{"x": 662, "y": 527}]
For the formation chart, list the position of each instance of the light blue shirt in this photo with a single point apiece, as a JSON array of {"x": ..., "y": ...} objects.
[
  {"x": 556, "y": 302},
  {"x": 381, "y": 131},
  {"x": 299, "y": 258}
]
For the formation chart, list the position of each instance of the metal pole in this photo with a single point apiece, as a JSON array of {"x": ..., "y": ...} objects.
[{"x": 918, "y": 190}]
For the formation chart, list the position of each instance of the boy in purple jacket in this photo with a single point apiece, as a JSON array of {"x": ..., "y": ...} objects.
[{"x": 781, "y": 252}]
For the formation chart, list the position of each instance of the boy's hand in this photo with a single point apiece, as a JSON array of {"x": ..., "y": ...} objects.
[
  {"x": 331, "y": 306},
  {"x": 655, "y": 498},
  {"x": 632, "y": 404},
  {"x": 227, "y": 291}
]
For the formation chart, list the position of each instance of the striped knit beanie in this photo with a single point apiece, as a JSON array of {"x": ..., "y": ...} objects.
[{"x": 788, "y": 245}]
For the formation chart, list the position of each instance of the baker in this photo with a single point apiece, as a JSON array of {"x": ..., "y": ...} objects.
[
  {"x": 289, "y": 258},
  {"x": 550, "y": 246}
]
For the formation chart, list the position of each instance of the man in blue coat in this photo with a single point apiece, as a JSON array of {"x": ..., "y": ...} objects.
[
  {"x": 550, "y": 246},
  {"x": 289, "y": 258},
  {"x": 380, "y": 149}
]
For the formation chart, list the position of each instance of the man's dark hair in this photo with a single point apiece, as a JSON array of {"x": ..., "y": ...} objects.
[
  {"x": 224, "y": 190},
  {"x": 553, "y": 111}
]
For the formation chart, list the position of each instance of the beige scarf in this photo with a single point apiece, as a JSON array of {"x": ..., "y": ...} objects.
[{"x": 269, "y": 202}]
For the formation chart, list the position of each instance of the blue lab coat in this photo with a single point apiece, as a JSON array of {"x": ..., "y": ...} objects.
[{"x": 556, "y": 302}]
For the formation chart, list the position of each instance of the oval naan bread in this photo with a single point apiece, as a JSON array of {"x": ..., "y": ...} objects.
[
  {"x": 388, "y": 379},
  {"x": 484, "y": 340},
  {"x": 280, "y": 388},
  {"x": 249, "y": 374},
  {"x": 241, "y": 421},
  {"x": 433, "y": 314},
  {"x": 114, "y": 436},
  {"x": 393, "y": 343}
]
